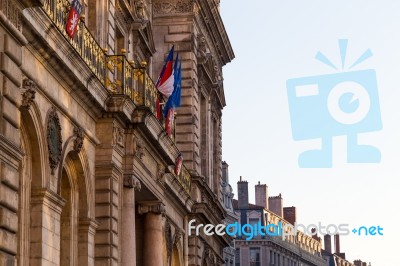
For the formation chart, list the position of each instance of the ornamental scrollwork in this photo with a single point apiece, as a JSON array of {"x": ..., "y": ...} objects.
[
  {"x": 173, "y": 7},
  {"x": 28, "y": 92},
  {"x": 78, "y": 142}
]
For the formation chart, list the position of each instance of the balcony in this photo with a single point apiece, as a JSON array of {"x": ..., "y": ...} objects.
[{"x": 115, "y": 72}]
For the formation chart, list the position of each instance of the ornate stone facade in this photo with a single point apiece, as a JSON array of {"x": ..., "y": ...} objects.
[{"x": 87, "y": 172}]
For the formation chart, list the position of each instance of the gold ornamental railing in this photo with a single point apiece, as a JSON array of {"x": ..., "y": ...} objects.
[
  {"x": 122, "y": 77},
  {"x": 115, "y": 72},
  {"x": 83, "y": 42},
  {"x": 184, "y": 179}
]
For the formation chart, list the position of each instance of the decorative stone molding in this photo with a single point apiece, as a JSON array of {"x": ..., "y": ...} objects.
[
  {"x": 177, "y": 236},
  {"x": 173, "y": 7},
  {"x": 203, "y": 52},
  {"x": 54, "y": 139},
  {"x": 208, "y": 256},
  {"x": 28, "y": 92},
  {"x": 171, "y": 241},
  {"x": 139, "y": 148},
  {"x": 151, "y": 207},
  {"x": 78, "y": 142},
  {"x": 161, "y": 173},
  {"x": 131, "y": 181},
  {"x": 118, "y": 137},
  {"x": 168, "y": 238}
]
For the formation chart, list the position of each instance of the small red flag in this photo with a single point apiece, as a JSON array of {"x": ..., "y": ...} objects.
[
  {"x": 169, "y": 121},
  {"x": 178, "y": 164},
  {"x": 73, "y": 18}
]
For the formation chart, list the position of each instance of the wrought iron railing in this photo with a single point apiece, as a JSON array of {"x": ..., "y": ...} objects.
[
  {"x": 122, "y": 77},
  {"x": 83, "y": 41},
  {"x": 184, "y": 179},
  {"x": 115, "y": 72}
]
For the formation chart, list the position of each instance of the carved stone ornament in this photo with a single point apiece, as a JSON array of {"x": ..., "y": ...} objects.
[
  {"x": 209, "y": 256},
  {"x": 118, "y": 137},
  {"x": 130, "y": 181},
  {"x": 139, "y": 149},
  {"x": 78, "y": 142},
  {"x": 152, "y": 207},
  {"x": 140, "y": 9},
  {"x": 28, "y": 92},
  {"x": 173, "y": 7},
  {"x": 160, "y": 173},
  {"x": 168, "y": 238},
  {"x": 54, "y": 139}
]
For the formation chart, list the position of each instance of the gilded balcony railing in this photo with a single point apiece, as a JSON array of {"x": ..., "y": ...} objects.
[
  {"x": 115, "y": 72},
  {"x": 184, "y": 179},
  {"x": 83, "y": 42},
  {"x": 123, "y": 77}
]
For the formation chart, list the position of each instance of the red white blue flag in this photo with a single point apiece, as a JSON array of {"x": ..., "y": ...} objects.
[
  {"x": 165, "y": 83},
  {"x": 175, "y": 99},
  {"x": 73, "y": 18}
]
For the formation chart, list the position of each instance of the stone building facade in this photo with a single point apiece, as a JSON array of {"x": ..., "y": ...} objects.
[
  {"x": 86, "y": 169},
  {"x": 292, "y": 250}
]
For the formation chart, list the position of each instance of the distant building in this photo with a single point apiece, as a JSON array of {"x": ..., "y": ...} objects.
[
  {"x": 294, "y": 250},
  {"x": 337, "y": 258},
  {"x": 231, "y": 216}
]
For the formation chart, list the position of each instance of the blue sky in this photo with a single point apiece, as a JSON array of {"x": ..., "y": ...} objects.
[{"x": 277, "y": 40}]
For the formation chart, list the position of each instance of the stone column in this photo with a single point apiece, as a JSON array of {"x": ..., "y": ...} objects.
[
  {"x": 45, "y": 215},
  {"x": 153, "y": 233},
  {"x": 128, "y": 236}
]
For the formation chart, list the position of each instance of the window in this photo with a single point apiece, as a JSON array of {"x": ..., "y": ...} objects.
[
  {"x": 237, "y": 257},
  {"x": 255, "y": 257}
]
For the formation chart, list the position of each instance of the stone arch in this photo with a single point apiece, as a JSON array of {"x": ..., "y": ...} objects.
[
  {"x": 80, "y": 162},
  {"x": 31, "y": 120},
  {"x": 33, "y": 177},
  {"x": 74, "y": 167}
]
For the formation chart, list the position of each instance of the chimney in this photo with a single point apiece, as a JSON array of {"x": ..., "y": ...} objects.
[
  {"x": 290, "y": 215},
  {"x": 359, "y": 263},
  {"x": 315, "y": 234},
  {"x": 328, "y": 243},
  {"x": 262, "y": 195},
  {"x": 225, "y": 173},
  {"x": 337, "y": 244},
  {"x": 276, "y": 205},
  {"x": 243, "y": 194}
]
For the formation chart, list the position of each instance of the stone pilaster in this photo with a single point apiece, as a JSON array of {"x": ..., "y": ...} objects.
[
  {"x": 86, "y": 232},
  {"x": 10, "y": 153},
  {"x": 109, "y": 178},
  {"x": 153, "y": 232}
]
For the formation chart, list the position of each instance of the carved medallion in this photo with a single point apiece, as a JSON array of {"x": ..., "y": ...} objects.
[{"x": 54, "y": 139}]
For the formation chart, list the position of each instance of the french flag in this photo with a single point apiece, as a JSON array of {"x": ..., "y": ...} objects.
[
  {"x": 174, "y": 100},
  {"x": 73, "y": 18},
  {"x": 165, "y": 83}
]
